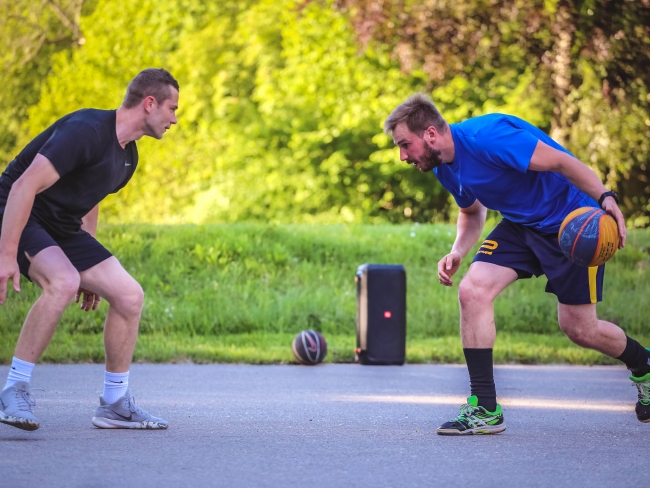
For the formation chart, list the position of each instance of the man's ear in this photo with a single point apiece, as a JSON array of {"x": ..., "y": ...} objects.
[
  {"x": 149, "y": 103},
  {"x": 430, "y": 134}
]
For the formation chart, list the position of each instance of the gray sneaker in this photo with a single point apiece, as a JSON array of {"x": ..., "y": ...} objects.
[
  {"x": 125, "y": 414},
  {"x": 16, "y": 404}
]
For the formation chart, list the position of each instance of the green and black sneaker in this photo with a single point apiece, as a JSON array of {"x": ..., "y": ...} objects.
[
  {"x": 643, "y": 405},
  {"x": 473, "y": 419}
]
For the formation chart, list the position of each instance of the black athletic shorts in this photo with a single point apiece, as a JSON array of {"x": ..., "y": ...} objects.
[
  {"x": 530, "y": 252},
  {"x": 82, "y": 249}
]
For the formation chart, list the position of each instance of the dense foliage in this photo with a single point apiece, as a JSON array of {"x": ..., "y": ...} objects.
[
  {"x": 31, "y": 34},
  {"x": 282, "y": 101},
  {"x": 579, "y": 69}
]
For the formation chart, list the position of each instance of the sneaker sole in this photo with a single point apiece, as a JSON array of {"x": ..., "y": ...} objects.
[
  {"x": 24, "y": 424},
  {"x": 476, "y": 431},
  {"x": 104, "y": 423}
]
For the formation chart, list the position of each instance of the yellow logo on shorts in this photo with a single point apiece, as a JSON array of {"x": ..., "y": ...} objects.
[{"x": 489, "y": 246}]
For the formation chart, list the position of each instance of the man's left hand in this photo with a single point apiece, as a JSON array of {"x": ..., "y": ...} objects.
[
  {"x": 610, "y": 206},
  {"x": 90, "y": 300}
]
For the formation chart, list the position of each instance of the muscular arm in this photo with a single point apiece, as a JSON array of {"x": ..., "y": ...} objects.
[
  {"x": 89, "y": 221},
  {"x": 40, "y": 175},
  {"x": 470, "y": 225},
  {"x": 547, "y": 158}
]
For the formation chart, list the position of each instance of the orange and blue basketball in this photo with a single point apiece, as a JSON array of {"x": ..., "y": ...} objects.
[{"x": 588, "y": 236}]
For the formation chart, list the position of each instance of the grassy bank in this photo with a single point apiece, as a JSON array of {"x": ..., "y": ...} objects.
[
  {"x": 238, "y": 293},
  {"x": 264, "y": 348}
]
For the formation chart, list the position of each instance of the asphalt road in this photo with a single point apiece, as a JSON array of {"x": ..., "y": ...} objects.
[{"x": 330, "y": 425}]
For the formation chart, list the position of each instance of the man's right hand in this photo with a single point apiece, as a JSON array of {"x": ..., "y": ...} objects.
[
  {"x": 447, "y": 266},
  {"x": 8, "y": 271}
]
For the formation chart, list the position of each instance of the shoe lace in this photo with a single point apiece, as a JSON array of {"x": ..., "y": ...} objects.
[
  {"x": 471, "y": 415},
  {"x": 466, "y": 412},
  {"x": 644, "y": 391},
  {"x": 134, "y": 408},
  {"x": 25, "y": 399}
]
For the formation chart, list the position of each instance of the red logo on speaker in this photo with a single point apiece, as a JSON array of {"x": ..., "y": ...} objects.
[{"x": 387, "y": 314}]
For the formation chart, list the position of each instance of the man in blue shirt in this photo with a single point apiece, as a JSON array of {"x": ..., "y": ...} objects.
[{"x": 503, "y": 163}]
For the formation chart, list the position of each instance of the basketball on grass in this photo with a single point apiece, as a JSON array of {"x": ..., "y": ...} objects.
[
  {"x": 309, "y": 347},
  {"x": 588, "y": 236}
]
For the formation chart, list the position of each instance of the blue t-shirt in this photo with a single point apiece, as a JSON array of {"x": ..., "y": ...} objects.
[{"x": 492, "y": 154}]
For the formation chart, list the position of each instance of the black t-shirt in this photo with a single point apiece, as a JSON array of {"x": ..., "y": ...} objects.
[{"x": 84, "y": 149}]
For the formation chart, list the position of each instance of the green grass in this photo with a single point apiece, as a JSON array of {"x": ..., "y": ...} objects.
[
  {"x": 263, "y": 348},
  {"x": 240, "y": 292}
]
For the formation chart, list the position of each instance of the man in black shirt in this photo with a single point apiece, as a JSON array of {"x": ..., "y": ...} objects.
[{"x": 49, "y": 205}]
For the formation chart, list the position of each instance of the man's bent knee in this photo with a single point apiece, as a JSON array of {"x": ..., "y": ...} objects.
[
  {"x": 578, "y": 328},
  {"x": 63, "y": 286},
  {"x": 483, "y": 282},
  {"x": 577, "y": 335},
  {"x": 470, "y": 292},
  {"x": 52, "y": 271},
  {"x": 467, "y": 293},
  {"x": 130, "y": 300}
]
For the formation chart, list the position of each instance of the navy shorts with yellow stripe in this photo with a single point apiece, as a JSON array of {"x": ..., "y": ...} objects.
[{"x": 530, "y": 252}]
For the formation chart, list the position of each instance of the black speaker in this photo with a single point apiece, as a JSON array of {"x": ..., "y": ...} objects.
[{"x": 381, "y": 314}]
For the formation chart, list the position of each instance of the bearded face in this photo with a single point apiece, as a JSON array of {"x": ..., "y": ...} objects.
[
  {"x": 429, "y": 159},
  {"x": 416, "y": 149}
]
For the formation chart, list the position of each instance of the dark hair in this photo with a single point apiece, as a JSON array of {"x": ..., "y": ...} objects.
[
  {"x": 152, "y": 82},
  {"x": 419, "y": 113}
]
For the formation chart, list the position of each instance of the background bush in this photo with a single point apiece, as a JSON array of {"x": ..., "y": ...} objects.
[{"x": 282, "y": 101}]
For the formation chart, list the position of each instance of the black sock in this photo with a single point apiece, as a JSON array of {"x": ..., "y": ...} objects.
[
  {"x": 481, "y": 377},
  {"x": 636, "y": 358}
]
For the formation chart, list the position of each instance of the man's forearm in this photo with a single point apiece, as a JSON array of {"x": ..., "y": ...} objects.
[
  {"x": 547, "y": 158},
  {"x": 583, "y": 178},
  {"x": 469, "y": 228},
  {"x": 19, "y": 205}
]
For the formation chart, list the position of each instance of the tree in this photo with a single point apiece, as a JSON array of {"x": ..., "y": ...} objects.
[
  {"x": 567, "y": 56},
  {"x": 282, "y": 102},
  {"x": 280, "y": 115},
  {"x": 30, "y": 33}
]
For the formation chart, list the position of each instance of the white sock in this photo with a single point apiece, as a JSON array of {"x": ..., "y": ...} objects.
[
  {"x": 20, "y": 371},
  {"x": 115, "y": 386}
]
